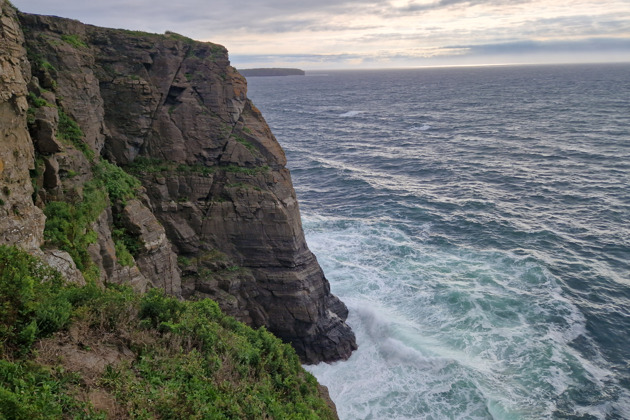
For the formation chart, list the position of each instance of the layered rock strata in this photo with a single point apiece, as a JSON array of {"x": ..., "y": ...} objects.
[{"x": 217, "y": 215}]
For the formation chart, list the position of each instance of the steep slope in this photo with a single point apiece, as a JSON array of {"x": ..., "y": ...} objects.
[{"x": 215, "y": 198}]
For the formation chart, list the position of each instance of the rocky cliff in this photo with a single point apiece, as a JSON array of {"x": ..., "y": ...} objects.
[{"x": 214, "y": 215}]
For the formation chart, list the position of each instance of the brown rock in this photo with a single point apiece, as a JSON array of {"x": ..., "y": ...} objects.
[
  {"x": 62, "y": 262},
  {"x": 218, "y": 180},
  {"x": 21, "y": 223},
  {"x": 156, "y": 260},
  {"x": 103, "y": 253}
]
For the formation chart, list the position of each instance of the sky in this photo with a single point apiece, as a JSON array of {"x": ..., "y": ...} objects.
[{"x": 364, "y": 34}]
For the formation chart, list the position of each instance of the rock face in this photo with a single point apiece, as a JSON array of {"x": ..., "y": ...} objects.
[
  {"x": 217, "y": 216},
  {"x": 21, "y": 223}
]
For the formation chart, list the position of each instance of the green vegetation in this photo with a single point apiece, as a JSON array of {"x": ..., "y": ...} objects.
[
  {"x": 179, "y": 37},
  {"x": 35, "y": 102},
  {"x": 188, "y": 359},
  {"x": 119, "y": 184},
  {"x": 74, "y": 40},
  {"x": 140, "y": 33},
  {"x": 242, "y": 170},
  {"x": 28, "y": 306},
  {"x": 69, "y": 130},
  {"x": 38, "y": 102},
  {"x": 142, "y": 165},
  {"x": 120, "y": 187},
  {"x": 124, "y": 256},
  {"x": 68, "y": 224},
  {"x": 244, "y": 142}
]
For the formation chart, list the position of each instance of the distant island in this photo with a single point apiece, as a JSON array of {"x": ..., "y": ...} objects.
[{"x": 271, "y": 72}]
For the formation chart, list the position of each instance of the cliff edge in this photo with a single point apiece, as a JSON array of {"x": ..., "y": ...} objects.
[{"x": 215, "y": 215}]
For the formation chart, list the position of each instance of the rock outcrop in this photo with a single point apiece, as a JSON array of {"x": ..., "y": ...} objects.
[
  {"x": 216, "y": 215},
  {"x": 21, "y": 223}
]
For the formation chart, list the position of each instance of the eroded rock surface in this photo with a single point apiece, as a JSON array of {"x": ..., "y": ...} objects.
[
  {"x": 21, "y": 223},
  {"x": 217, "y": 216}
]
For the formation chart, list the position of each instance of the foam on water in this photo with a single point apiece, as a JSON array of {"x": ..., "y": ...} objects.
[
  {"x": 350, "y": 114},
  {"x": 448, "y": 334},
  {"x": 476, "y": 226}
]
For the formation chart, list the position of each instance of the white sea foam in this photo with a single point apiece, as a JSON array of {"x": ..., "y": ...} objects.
[
  {"x": 447, "y": 327},
  {"x": 350, "y": 114},
  {"x": 481, "y": 326}
]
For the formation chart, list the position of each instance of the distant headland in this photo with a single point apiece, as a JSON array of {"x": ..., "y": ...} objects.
[{"x": 271, "y": 72}]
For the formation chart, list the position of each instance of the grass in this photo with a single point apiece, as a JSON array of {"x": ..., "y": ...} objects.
[
  {"x": 142, "y": 165},
  {"x": 247, "y": 171},
  {"x": 35, "y": 102},
  {"x": 69, "y": 131},
  {"x": 189, "y": 359},
  {"x": 74, "y": 40},
  {"x": 140, "y": 33},
  {"x": 38, "y": 102},
  {"x": 244, "y": 142},
  {"x": 178, "y": 37}
]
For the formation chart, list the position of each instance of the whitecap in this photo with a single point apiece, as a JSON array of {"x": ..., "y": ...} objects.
[
  {"x": 424, "y": 127},
  {"x": 351, "y": 114}
]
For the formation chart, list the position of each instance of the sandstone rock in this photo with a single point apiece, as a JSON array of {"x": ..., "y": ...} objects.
[
  {"x": 213, "y": 172},
  {"x": 44, "y": 130},
  {"x": 103, "y": 253},
  {"x": 21, "y": 222},
  {"x": 62, "y": 262},
  {"x": 156, "y": 260},
  {"x": 51, "y": 173}
]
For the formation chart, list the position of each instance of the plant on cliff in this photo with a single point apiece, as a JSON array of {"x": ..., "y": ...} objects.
[
  {"x": 68, "y": 223},
  {"x": 69, "y": 130},
  {"x": 120, "y": 185},
  {"x": 184, "y": 359},
  {"x": 74, "y": 40}
]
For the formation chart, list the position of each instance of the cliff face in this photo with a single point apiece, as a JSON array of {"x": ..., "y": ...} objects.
[
  {"x": 20, "y": 221},
  {"x": 217, "y": 215}
]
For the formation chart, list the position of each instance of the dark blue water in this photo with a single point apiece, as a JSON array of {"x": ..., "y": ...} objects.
[{"x": 476, "y": 222}]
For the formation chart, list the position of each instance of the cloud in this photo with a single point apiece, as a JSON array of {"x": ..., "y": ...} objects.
[
  {"x": 404, "y": 32},
  {"x": 523, "y": 52},
  {"x": 548, "y": 47}
]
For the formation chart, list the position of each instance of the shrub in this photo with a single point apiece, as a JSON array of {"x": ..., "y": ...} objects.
[
  {"x": 119, "y": 184},
  {"x": 69, "y": 130},
  {"x": 190, "y": 360},
  {"x": 68, "y": 224},
  {"x": 29, "y": 307}
]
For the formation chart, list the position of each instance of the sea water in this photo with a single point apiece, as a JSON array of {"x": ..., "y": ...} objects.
[{"x": 476, "y": 221}]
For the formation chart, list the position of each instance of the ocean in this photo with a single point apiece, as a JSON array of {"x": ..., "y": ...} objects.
[{"x": 476, "y": 221}]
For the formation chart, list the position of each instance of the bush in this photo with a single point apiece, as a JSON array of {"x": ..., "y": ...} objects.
[
  {"x": 68, "y": 224},
  {"x": 29, "y": 307},
  {"x": 119, "y": 184},
  {"x": 189, "y": 359}
]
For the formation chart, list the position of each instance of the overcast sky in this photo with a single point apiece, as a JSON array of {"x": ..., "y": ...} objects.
[{"x": 329, "y": 34}]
